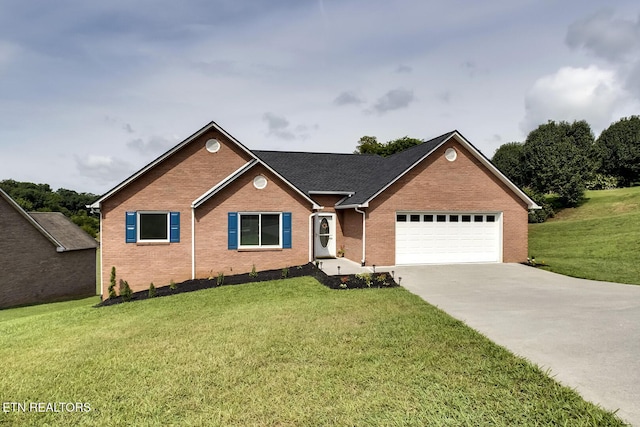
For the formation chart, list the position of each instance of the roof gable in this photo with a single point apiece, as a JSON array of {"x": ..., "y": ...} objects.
[
  {"x": 225, "y": 181},
  {"x": 57, "y": 235}
]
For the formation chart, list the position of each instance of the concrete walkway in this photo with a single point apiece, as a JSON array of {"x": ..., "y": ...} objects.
[{"x": 587, "y": 333}]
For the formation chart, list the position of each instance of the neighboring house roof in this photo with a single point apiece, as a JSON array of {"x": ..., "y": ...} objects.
[{"x": 63, "y": 233}]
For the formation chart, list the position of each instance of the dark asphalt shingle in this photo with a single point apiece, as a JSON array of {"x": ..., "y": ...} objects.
[{"x": 364, "y": 175}]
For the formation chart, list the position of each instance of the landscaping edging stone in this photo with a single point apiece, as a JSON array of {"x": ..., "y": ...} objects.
[{"x": 341, "y": 282}]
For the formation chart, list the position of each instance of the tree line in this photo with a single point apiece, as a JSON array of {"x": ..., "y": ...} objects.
[
  {"x": 557, "y": 162},
  {"x": 41, "y": 198}
]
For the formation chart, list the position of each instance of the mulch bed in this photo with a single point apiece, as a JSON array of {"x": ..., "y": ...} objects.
[{"x": 343, "y": 281}]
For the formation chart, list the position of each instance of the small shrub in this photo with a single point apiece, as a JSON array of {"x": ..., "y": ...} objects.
[
  {"x": 253, "y": 273},
  {"x": 112, "y": 286},
  {"x": 539, "y": 215},
  {"x": 125, "y": 290},
  {"x": 285, "y": 272},
  {"x": 172, "y": 285},
  {"x": 366, "y": 277},
  {"x": 220, "y": 279},
  {"x": 344, "y": 282},
  {"x": 152, "y": 290}
]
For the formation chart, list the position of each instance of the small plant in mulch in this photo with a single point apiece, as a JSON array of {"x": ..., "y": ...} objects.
[
  {"x": 352, "y": 281},
  {"x": 152, "y": 290},
  {"x": 112, "y": 286},
  {"x": 253, "y": 273},
  {"x": 125, "y": 290}
]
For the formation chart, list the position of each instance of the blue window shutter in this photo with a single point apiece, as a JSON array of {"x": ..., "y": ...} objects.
[
  {"x": 232, "y": 231},
  {"x": 174, "y": 227},
  {"x": 286, "y": 230},
  {"x": 131, "y": 229}
]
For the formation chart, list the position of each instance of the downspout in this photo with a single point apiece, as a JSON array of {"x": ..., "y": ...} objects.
[
  {"x": 101, "y": 265},
  {"x": 312, "y": 232},
  {"x": 364, "y": 236},
  {"x": 193, "y": 242}
]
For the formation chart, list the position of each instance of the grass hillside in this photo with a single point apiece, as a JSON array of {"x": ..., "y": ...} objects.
[
  {"x": 599, "y": 240},
  {"x": 287, "y": 353}
]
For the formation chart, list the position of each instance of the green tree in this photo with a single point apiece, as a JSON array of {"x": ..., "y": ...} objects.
[
  {"x": 509, "y": 159},
  {"x": 558, "y": 159},
  {"x": 370, "y": 145},
  {"x": 617, "y": 150}
]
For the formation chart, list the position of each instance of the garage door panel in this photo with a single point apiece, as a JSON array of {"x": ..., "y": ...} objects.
[{"x": 448, "y": 238}]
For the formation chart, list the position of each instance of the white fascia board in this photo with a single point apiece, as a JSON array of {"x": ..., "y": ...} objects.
[
  {"x": 332, "y": 193},
  {"x": 474, "y": 151},
  {"x": 222, "y": 184},
  {"x": 361, "y": 205}
]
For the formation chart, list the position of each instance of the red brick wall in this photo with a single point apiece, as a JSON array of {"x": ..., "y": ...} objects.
[
  {"x": 170, "y": 186},
  {"x": 439, "y": 185},
  {"x": 31, "y": 271},
  {"x": 241, "y": 196}
]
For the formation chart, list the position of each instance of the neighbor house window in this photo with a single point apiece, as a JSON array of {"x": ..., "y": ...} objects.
[
  {"x": 255, "y": 230},
  {"x": 152, "y": 227}
]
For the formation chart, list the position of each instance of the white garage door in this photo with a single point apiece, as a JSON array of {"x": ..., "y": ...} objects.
[{"x": 436, "y": 237}]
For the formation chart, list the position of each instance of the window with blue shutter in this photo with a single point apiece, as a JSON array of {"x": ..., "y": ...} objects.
[
  {"x": 286, "y": 230},
  {"x": 232, "y": 230},
  {"x": 174, "y": 227},
  {"x": 131, "y": 231}
]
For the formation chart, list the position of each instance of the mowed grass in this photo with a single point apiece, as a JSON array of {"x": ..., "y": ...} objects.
[
  {"x": 599, "y": 240},
  {"x": 287, "y": 352}
]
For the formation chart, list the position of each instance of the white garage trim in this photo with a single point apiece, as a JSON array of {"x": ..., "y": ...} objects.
[{"x": 448, "y": 237}]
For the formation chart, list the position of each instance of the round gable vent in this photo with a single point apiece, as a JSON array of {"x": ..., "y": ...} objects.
[
  {"x": 450, "y": 154},
  {"x": 259, "y": 182},
  {"x": 213, "y": 145}
]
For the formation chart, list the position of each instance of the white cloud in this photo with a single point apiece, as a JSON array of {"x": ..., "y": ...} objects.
[
  {"x": 590, "y": 94},
  {"x": 278, "y": 126},
  {"x": 395, "y": 99},
  {"x": 103, "y": 169}
]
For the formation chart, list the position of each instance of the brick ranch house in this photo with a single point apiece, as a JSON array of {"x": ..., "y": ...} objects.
[
  {"x": 211, "y": 205},
  {"x": 44, "y": 257}
]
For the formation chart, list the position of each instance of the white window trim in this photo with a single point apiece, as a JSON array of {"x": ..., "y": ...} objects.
[
  {"x": 139, "y": 227},
  {"x": 260, "y": 245}
]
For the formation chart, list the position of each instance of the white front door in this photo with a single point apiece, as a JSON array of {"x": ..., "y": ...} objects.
[{"x": 325, "y": 236}]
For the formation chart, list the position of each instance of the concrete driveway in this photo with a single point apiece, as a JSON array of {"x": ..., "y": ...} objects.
[{"x": 586, "y": 333}]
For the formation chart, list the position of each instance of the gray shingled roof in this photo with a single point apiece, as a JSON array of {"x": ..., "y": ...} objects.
[
  {"x": 363, "y": 175},
  {"x": 64, "y": 231}
]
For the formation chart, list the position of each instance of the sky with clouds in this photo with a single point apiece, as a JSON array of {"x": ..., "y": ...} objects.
[{"x": 92, "y": 91}]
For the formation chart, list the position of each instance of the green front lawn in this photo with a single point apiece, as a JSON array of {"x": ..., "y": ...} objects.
[
  {"x": 287, "y": 352},
  {"x": 599, "y": 240}
]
